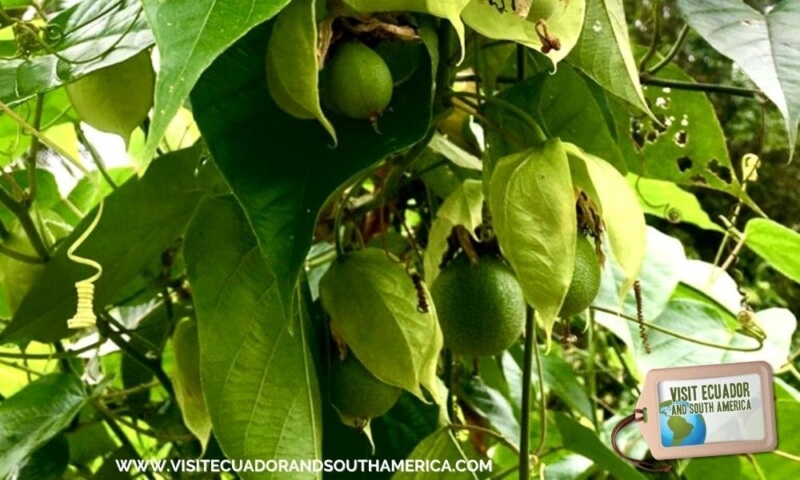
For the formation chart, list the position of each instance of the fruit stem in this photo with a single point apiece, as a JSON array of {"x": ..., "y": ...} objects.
[
  {"x": 531, "y": 350},
  {"x": 591, "y": 373}
]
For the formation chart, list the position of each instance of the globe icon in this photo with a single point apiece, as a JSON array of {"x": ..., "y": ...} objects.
[{"x": 680, "y": 430}]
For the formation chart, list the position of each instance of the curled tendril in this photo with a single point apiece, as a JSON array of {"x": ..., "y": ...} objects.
[{"x": 84, "y": 316}]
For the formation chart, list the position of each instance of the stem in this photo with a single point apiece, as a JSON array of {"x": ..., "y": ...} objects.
[
  {"x": 656, "y": 34},
  {"x": 98, "y": 160},
  {"x": 499, "y": 437},
  {"x": 131, "y": 391},
  {"x": 21, "y": 367},
  {"x": 448, "y": 381},
  {"x": 537, "y": 131},
  {"x": 682, "y": 336},
  {"x": 20, "y": 257},
  {"x": 108, "y": 417},
  {"x": 153, "y": 365},
  {"x": 34, "y": 151},
  {"x": 699, "y": 87},
  {"x": 542, "y": 403},
  {"x": 527, "y": 377},
  {"x": 23, "y": 215},
  {"x": 54, "y": 355},
  {"x": 676, "y": 47},
  {"x": 591, "y": 373}
]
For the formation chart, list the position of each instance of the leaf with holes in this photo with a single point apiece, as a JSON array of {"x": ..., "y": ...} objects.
[
  {"x": 604, "y": 52},
  {"x": 764, "y": 44},
  {"x": 687, "y": 146}
]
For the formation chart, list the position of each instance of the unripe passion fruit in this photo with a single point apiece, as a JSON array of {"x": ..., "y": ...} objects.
[
  {"x": 481, "y": 307},
  {"x": 357, "y": 393},
  {"x": 359, "y": 81},
  {"x": 115, "y": 99},
  {"x": 585, "y": 279}
]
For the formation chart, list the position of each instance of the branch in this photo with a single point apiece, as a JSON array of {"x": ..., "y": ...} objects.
[
  {"x": 19, "y": 256},
  {"x": 527, "y": 377},
  {"x": 23, "y": 215},
  {"x": 676, "y": 47},
  {"x": 646, "y": 79},
  {"x": 34, "y": 152}
]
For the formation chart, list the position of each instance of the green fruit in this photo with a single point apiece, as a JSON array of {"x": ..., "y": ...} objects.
[
  {"x": 481, "y": 308},
  {"x": 585, "y": 279},
  {"x": 115, "y": 99},
  {"x": 359, "y": 82},
  {"x": 542, "y": 9},
  {"x": 357, "y": 393}
]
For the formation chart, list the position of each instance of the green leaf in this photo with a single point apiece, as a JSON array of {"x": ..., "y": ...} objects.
[
  {"x": 441, "y": 446},
  {"x": 581, "y": 440},
  {"x": 569, "y": 111},
  {"x": 622, "y": 215},
  {"x": 462, "y": 207},
  {"x": 787, "y": 410},
  {"x": 447, "y": 9},
  {"x": 687, "y": 146},
  {"x": 190, "y": 36},
  {"x": 604, "y": 52},
  {"x": 776, "y": 244},
  {"x": 764, "y": 45},
  {"x": 668, "y": 201},
  {"x": 82, "y": 33},
  {"x": 257, "y": 372},
  {"x": 490, "y": 22},
  {"x": 293, "y": 65},
  {"x": 373, "y": 306},
  {"x": 281, "y": 169},
  {"x": 16, "y": 277},
  {"x": 187, "y": 383},
  {"x": 454, "y": 153},
  {"x": 141, "y": 219},
  {"x": 533, "y": 209},
  {"x": 34, "y": 415}
]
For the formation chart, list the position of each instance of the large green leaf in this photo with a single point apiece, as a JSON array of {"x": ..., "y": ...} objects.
[
  {"x": 293, "y": 63},
  {"x": 190, "y": 34},
  {"x": 622, "y": 215},
  {"x": 257, "y": 372},
  {"x": 441, "y": 446},
  {"x": 604, "y": 52},
  {"x": 141, "y": 219},
  {"x": 764, "y": 45},
  {"x": 35, "y": 414},
  {"x": 373, "y": 306},
  {"x": 533, "y": 209},
  {"x": 492, "y": 23},
  {"x": 581, "y": 440},
  {"x": 283, "y": 169},
  {"x": 776, "y": 244},
  {"x": 82, "y": 32}
]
